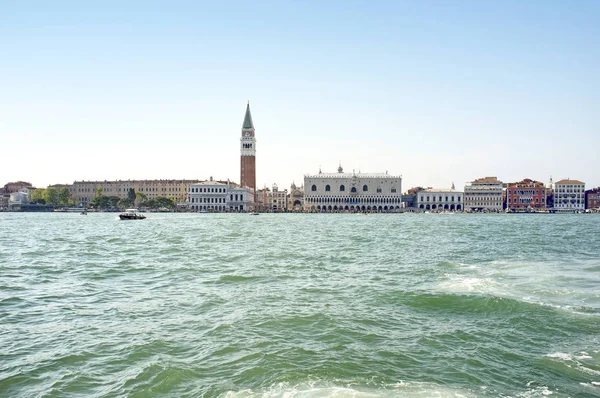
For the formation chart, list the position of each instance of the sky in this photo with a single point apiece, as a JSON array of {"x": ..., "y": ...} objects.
[{"x": 435, "y": 91}]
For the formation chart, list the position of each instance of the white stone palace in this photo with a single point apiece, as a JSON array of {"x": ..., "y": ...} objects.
[
  {"x": 334, "y": 192},
  {"x": 220, "y": 196},
  {"x": 440, "y": 199}
]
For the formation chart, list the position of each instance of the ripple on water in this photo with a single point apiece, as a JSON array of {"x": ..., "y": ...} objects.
[{"x": 299, "y": 305}]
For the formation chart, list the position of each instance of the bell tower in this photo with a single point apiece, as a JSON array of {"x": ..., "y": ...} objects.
[{"x": 248, "y": 152}]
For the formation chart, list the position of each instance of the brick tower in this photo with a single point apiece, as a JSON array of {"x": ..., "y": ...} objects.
[{"x": 248, "y": 153}]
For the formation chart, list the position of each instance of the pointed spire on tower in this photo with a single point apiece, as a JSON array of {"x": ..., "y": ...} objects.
[
  {"x": 248, "y": 119},
  {"x": 453, "y": 188}
]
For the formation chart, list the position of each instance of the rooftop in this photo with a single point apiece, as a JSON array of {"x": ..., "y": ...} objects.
[
  {"x": 489, "y": 180},
  {"x": 441, "y": 190},
  {"x": 567, "y": 181},
  {"x": 350, "y": 175}
]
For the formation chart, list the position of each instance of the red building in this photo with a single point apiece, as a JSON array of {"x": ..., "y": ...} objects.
[
  {"x": 16, "y": 186},
  {"x": 592, "y": 198},
  {"x": 526, "y": 194}
]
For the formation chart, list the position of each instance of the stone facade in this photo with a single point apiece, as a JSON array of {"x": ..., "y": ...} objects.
[
  {"x": 219, "y": 196},
  {"x": 440, "y": 199},
  {"x": 296, "y": 198},
  {"x": 16, "y": 186},
  {"x": 592, "y": 198},
  {"x": 83, "y": 192},
  {"x": 526, "y": 194},
  {"x": 484, "y": 194},
  {"x": 277, "y": 200},
  {"x": 326, "y": 192},
  {"x": 569, "y": 195}
]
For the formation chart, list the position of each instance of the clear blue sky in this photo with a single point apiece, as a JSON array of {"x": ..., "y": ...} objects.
[{"x": 438, "y": 91}]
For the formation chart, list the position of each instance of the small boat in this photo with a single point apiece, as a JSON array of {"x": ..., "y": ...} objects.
[
  {"x": 83, "y": 213},
  {"x": 253, "y": 213},
  {"x": 131, "y": 214}
]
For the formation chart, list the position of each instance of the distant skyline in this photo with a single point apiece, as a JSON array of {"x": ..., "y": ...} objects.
[{"x": 438, "y": 92}]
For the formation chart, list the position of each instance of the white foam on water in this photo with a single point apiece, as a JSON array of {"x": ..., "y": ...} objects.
[
  {"x": 560, "y": 355},
  {"x": 574, "y": 361},
  {"x": 313, "y": 390},
  {"x": 467, "y": 284},
  {"x": 521, "y": 281},
  {"x": 541, "y": 391}
]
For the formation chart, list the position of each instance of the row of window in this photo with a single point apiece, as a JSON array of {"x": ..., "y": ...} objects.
[
  {"x": 218, "y": 208},
  {"x": 433, "y": 199},
  {"x": 469, "y": 199},
  {"x": 365, "y": 188},
  {"x": 526, "y": 192},
  {"x": 523, "y": 200},
  {"x": 208, "y": 190},
  {"x": 208, "y": 200},
  {"x": 353, "y": 200}
]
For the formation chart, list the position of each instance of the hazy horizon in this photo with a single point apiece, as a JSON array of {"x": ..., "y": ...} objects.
[{"x": 435, "y": 92}]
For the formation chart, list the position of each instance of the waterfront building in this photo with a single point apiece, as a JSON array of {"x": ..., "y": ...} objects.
[
  {"x": 409, "y": 198},
  {"x": 4, "y": 198},
  {"x": 260, "y": 199},
  {"x": 18, "y": 199},
  {"x": 277, "y": 200},
  {"x": 440, "y": 199},
  {"x": 220, "y": 196},
  {"x": 240, "y": 198},
  {"x": 484, "y": 194},
  {"x": 550, "y": 194},
  {"x": 16, "y": 186},
  {"x": 296, "y": 198},
  {"x": 525, "y": 195},
  {"x": 569, "y": 195},
  {"x": 326, "y": 192},
  {"x": 592, "y": 198},
  {"x": 248, "y": 152},
  {"x": 84, "y": 192}
]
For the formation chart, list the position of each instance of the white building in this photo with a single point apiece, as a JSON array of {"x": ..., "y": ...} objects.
[
  {"x": 219, "y": 196},
  {"x": 17, "y": 199},
  {"x": 484, "y": 194},
  {"x": 325, "y": 192},
  {"x": 240, "y": 199},
  {"x": 440, "y": 199},
  {"x": 569, "y": 195}
]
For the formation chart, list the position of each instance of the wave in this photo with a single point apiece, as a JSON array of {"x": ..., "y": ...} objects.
[
  {"x": 350, "y": 389},
  {"x": 236, "y": 278},
  {"x": 582, "y": 362}
]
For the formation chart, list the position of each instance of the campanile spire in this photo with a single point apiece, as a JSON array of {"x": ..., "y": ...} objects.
[{"x": 248, "y": 152}]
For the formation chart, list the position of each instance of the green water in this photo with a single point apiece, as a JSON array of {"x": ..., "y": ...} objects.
[{"x": 188, "y": 305}]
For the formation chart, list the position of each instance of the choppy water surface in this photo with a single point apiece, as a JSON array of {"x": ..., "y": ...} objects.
[{"x": 299, "y": 305}]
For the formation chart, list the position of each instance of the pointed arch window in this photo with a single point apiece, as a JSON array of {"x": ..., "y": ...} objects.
[
  {"x": 393, "y": 189},
  {"x": 353, "y": 190},
  {"x": 378, "y": 190},
  {"x": 365, "y": 188},
  {"x": 327, "y": 188},
  {"x": 342, "y": 188},
  {"x": 313, "y": 188}
]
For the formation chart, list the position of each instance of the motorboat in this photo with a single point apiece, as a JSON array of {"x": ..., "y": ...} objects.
[
  {"x": 253, "y": 213},
  {"x": 131, "y": 214}
]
